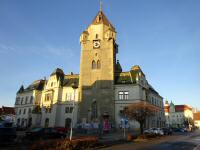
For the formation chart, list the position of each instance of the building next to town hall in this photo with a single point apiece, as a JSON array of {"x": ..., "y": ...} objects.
[
  {"x": 96, "y": 95},
  {"x": 178, "y": 115},
  {"x": 196, "y": 117}
]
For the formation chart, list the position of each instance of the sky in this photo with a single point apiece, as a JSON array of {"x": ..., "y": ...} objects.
[{"x": 162, "y": 36}]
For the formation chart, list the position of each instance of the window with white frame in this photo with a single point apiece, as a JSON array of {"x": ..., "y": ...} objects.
[
  {"x": 123, "y": 95},
  {"x": 31, "y": 99},
  {"x": 68, "y": 109},
  {"x": 126, "y": 95},
  {"x": 26, "y": 100},
  {"x": 22, "y": 100},
  {"x": 24, "y": 111}
]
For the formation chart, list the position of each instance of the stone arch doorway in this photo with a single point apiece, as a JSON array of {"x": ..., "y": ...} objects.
[{"x": 46, "y": 124}]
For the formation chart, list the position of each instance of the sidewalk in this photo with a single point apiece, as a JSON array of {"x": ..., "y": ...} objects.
[{"x": 116, "y": 137}]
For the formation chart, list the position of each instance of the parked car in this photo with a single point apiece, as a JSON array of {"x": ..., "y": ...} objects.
[
  {"x": 148, "y": 131},
  {"x": 7, "y": 132},
  {"x": 44, "y": 133},
  {"x": 167, "y": 131},
  {"x": 160, "y": 131},
  {"x": 155, "y": 131},
  {"x": 178, "y": 130}
]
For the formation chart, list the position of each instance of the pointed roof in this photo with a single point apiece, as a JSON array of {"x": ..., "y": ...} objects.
[
  {"x": 57, "y": 71},
  {"x": 102, "y": 19},
  {"x": 21, "y": 89}
]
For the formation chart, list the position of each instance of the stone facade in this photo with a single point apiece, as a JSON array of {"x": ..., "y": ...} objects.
[
  {"x": 98, "y": 55},
  {"x": 97, "y": 94}
]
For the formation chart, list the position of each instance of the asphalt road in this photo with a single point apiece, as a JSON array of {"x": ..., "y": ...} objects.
[
  {"x": 183, "y": 143},
  {"x": 179, "y": 141}
]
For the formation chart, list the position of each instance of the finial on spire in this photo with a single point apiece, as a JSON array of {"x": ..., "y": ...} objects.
[{"x": 100, "y": 5}]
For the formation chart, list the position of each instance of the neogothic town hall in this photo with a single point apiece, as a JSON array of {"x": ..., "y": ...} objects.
[{"x": 95, "y": 96}]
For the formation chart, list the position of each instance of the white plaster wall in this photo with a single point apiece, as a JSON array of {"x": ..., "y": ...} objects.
[{"x": 23, "y": 106}]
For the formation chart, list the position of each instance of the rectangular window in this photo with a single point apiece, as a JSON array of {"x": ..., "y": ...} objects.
[
  {"x": 19, "y": 111},
  {"x": 17, "y": 101},
  {"x": 66, "y": 109},
  {"x": 22, "y": 100},
  {"x": 24, "y": 111},
  {"x": 26, "y": 100},
  {"x": 31, "y": 100},
  {"x": 71, "y": 109},
  {"x": 121, "y": 95},
  {"x": 29, "y": 111},
  {"x": 48, "y": 97},
  {"x": 66, "y": 97},
  {"x": 126, "y": 95}
]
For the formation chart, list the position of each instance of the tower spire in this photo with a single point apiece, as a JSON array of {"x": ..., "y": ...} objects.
[{"x": 100, "y": 5}]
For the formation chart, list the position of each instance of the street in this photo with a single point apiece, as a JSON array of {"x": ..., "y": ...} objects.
[{"x": 179, "y": 141}]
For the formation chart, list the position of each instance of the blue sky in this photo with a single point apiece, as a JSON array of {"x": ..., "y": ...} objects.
[{"x": 162, "y": 36}]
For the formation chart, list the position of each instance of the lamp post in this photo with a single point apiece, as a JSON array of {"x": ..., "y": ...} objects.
[{"x": 74, "y": 86}]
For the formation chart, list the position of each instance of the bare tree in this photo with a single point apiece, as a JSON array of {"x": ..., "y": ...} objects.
[{"x": 140, "y": 111}]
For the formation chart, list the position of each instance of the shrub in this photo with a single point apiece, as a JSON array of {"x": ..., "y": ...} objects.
[
  {"x": 131, "y": 137},
  {"x": 65, "y": 144}
]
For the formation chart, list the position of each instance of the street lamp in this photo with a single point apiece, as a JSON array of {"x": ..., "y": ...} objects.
[{"x": 74, "y": 86}]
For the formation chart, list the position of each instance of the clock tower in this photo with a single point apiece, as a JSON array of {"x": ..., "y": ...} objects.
[{"x": 97, "y": 68}]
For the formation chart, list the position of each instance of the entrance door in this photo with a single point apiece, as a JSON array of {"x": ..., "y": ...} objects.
[
  {"x": 68, "y": 123},
  {"x": 46, "y": 125}
]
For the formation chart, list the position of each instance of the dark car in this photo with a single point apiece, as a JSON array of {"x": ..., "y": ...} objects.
[
  {"x": 167, "y": 131},
  {"x": 7, "y": 132},
  {"x": 43, "y": 133}
]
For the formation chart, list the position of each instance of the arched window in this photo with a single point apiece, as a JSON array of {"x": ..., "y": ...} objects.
[
  {"x": 94, "y": 66},
  {"x": 98, "y": 64}
]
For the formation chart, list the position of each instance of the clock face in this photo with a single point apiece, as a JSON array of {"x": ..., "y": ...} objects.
[{"x": 96, "y": 44}]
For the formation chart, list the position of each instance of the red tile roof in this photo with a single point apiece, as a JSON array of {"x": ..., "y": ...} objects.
[
  {"x": 7, "y": 110},
  {"x": 181, "y": 108},
  {"x": 178, "y": 108},
  {"x": 196, "y": 116}
]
